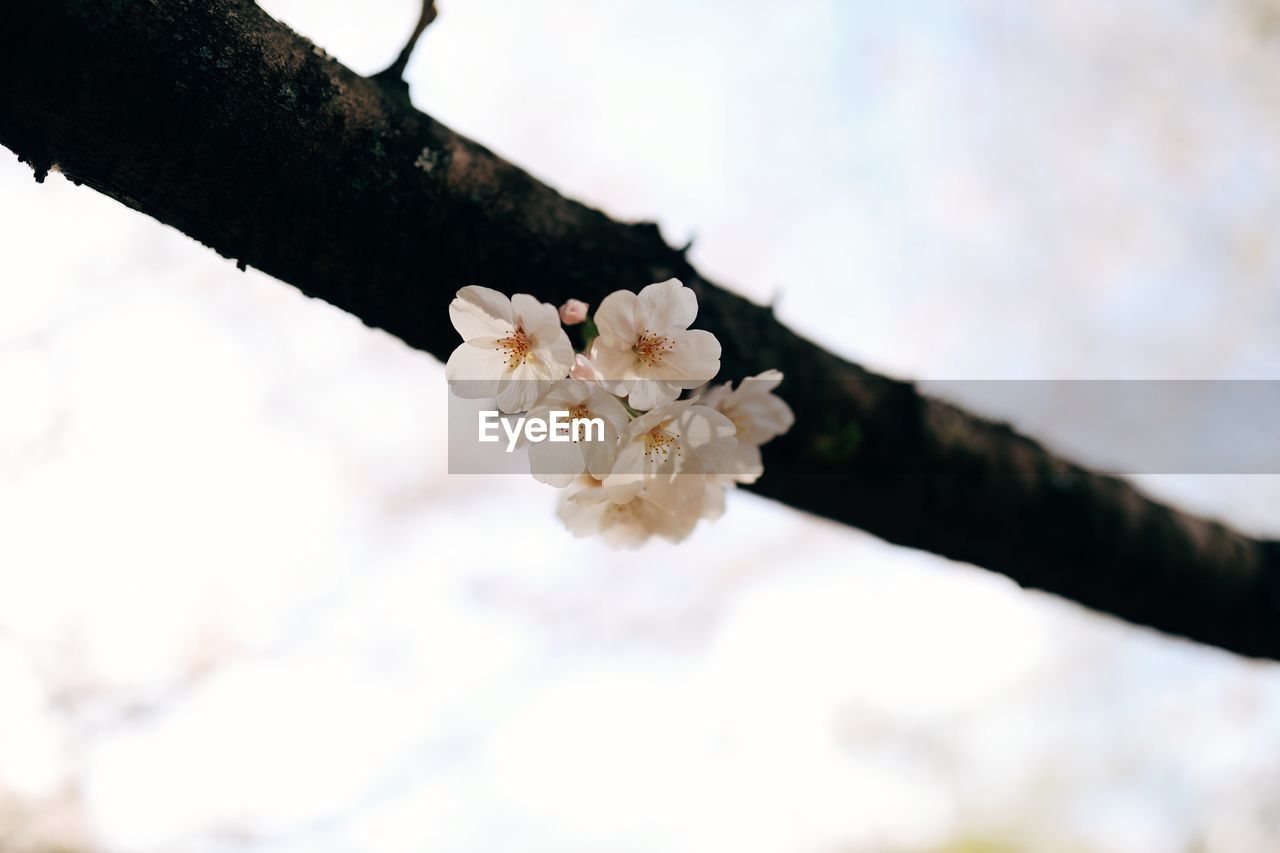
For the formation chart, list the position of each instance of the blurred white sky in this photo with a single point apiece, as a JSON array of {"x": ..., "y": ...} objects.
[{"x": 242, "y": 607}]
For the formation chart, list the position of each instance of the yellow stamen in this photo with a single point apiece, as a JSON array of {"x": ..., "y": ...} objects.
[
  {"x": 658, "y": 444},
  {"x": 579, "y": 411},
  {"x": 517, "y": 346},
  {"x": 651, "y": 348}
]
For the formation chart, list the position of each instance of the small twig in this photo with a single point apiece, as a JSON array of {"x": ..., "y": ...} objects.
[{"x": 395, "y": 71}]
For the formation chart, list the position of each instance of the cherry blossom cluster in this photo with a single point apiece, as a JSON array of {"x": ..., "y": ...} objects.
[{"x": 671, "y": 444}]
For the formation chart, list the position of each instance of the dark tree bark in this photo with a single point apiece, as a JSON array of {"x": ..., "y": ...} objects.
[{"x": 216, "y": 119}]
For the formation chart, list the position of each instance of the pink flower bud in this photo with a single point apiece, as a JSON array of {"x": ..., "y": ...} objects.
[{"x": 573, "y": 312}]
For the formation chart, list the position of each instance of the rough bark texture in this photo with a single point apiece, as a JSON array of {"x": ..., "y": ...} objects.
[{"x": 216, "y": 119}]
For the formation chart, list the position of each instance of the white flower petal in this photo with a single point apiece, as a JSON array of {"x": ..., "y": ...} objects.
[
  {"x": 536, "y": 318},
  {"x": 703, "y": 425},
  {"x": 648, "y": 393},
  {"x": 770, "y": 418},
  {"x": 475, "y": 369},
  {"x": 713, "y": 503},
  {"x": 581, "y": 519},
  {"x": 616, "y": 320},
  {"x": 626, "y": 526},
  {"x": 563, "y": 395},
  {"x": 627, "y": 478},
  {"x": 552, "y": 355},
  {"x": 588, "y": 490},
  {"x": 480, "y": 312},
  {"x": 677, "y": 493},
  {"x": 709, "y": 439},
  {"x": 603, "y": 404},
  {"x": 556, "y": 463},
  {"x": 694, "y": 358},
  {"x": 747, "y": 464},
  {"x": 712, "y": 395},
  {"x": 653, "y": 418},
  {"x": 630, "y": 524},
  {"x": 762, "y": 383},
  {"x": 667, "y": 307},
  {"x": 759, "y": 415},
  {"x": 521, "y": 390},
  {"x": 600, "y": 456},
  {"x": 613, "y": 364}
]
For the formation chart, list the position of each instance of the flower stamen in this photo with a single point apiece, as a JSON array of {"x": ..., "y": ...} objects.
[
  {"x": 517, "y": 346},
  {"x": 658, "y": 444},
  {"x": 650, "y": 347},
  {"x": 580, "y": 411}
]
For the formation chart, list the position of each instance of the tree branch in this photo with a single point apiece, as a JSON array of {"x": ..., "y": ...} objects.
[{"x": 216, "y": 119}]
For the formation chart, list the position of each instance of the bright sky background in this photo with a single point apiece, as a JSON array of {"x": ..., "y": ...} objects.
[{"x": 243, "y": 608}]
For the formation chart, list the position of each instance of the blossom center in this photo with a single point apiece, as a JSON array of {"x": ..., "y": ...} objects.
[
  {"x": 658, "y": 445},
  {"x": 580, "y": 411},
  {"x": 621, "y": 513},
  {"x": 650, "y": 347},
  {"x": 517, "y": 346}
]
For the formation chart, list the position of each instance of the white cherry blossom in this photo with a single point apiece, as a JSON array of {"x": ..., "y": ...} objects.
[
  {"x": 668, "y": 452},
  {"x": 662, "y": 464},
  {"x": 586, "y": 510},
  {"x": 646, "y": 351},
  {"x": 757, "y": 414},
  {"x": 559, "y": 463},
  {"x": 513, "y": 349}
]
